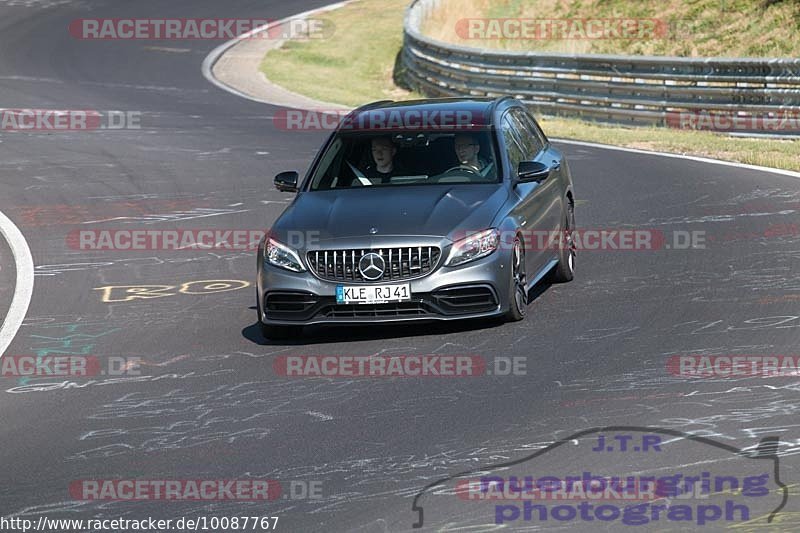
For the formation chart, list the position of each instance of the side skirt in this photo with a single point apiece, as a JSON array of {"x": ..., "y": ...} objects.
[{"x": 542, "y": 273}]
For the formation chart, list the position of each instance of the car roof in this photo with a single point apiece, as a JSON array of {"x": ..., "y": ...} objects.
[{"x": 477, "y": 111}]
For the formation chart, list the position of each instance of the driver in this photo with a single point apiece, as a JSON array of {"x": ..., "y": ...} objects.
[
  {"x": 383, "y": 154},
  {"x": 468, "y": 150}
]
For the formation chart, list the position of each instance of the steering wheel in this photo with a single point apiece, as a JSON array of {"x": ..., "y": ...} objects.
[{"x": 463, "y": 168}]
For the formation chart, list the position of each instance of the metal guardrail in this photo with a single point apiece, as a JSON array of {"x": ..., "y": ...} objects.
[{"x": 762, "y": 94}]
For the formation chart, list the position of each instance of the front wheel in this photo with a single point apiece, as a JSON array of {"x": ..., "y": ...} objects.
[
  {"x": 565, "y": 269},
  {"x": 518, "y": 292}
]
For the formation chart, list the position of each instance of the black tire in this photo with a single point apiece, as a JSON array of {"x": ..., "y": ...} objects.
[
  {"x": 564, "y": 271},
  {"x": 278, "y": 333},
  {"x": 518, "y": 294}
]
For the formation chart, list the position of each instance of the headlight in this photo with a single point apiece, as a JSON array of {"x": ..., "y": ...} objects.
[
  {"x": 473, "y": 247},
  {"x": 282, "y": 256}
]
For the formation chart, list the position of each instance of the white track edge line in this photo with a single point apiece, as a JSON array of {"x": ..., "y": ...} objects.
[
  {"x": 681, "y": 156},
  {"x": 23, "y": 290}
]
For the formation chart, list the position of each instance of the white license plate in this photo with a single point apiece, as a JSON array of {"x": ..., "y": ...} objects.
[{"x": 372, "y": 294}]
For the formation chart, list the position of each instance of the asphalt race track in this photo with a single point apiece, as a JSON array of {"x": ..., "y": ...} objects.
[{"x": 209, "y": 405}]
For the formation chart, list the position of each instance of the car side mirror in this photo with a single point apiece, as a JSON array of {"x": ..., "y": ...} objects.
[
  {"x": 533, "y": 171},
  {"x": 287, "y": 181}
]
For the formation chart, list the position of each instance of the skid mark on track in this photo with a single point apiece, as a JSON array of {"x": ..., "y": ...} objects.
[
  {"x": 178, "y": 216},
  {"x": 136, "y": 265},
  {"x": 186, "y": 418}
]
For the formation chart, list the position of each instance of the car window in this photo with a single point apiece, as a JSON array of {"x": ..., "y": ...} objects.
[
  {"x": 531, "y": 143},
  {"x": 514, "y": 149},
  {"x": 407, "y": 158},
  {"x": 534, "y": 127},
  {"x": 537, "y": 130}
]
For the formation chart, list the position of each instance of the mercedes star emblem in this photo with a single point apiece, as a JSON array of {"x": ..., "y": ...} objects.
[{"x": 371, "y": 266}]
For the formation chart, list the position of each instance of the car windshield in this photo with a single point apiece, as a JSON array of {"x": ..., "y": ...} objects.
[{"x": 408, "y": 158}]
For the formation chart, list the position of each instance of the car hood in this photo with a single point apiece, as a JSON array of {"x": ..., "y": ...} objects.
[{"x": 431, "y": 210}]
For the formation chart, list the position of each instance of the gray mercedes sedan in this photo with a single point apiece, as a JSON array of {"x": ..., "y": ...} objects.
[{"x": 437, "y": 209}]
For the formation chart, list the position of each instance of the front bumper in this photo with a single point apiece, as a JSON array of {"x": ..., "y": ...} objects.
[{"x": 474, "y": 290}]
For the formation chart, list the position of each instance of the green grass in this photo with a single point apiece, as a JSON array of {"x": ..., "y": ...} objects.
[
  {"x": 740, "y": 28},
  {"x": 355, "y": 66}
]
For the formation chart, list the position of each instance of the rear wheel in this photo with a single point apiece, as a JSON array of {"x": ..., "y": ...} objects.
[
  {"x": 565, "y": 269},
  {"x": 518, "y": 292}
]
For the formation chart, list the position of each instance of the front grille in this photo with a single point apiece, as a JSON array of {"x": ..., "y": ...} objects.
[{"x": 400, "y": 263}]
